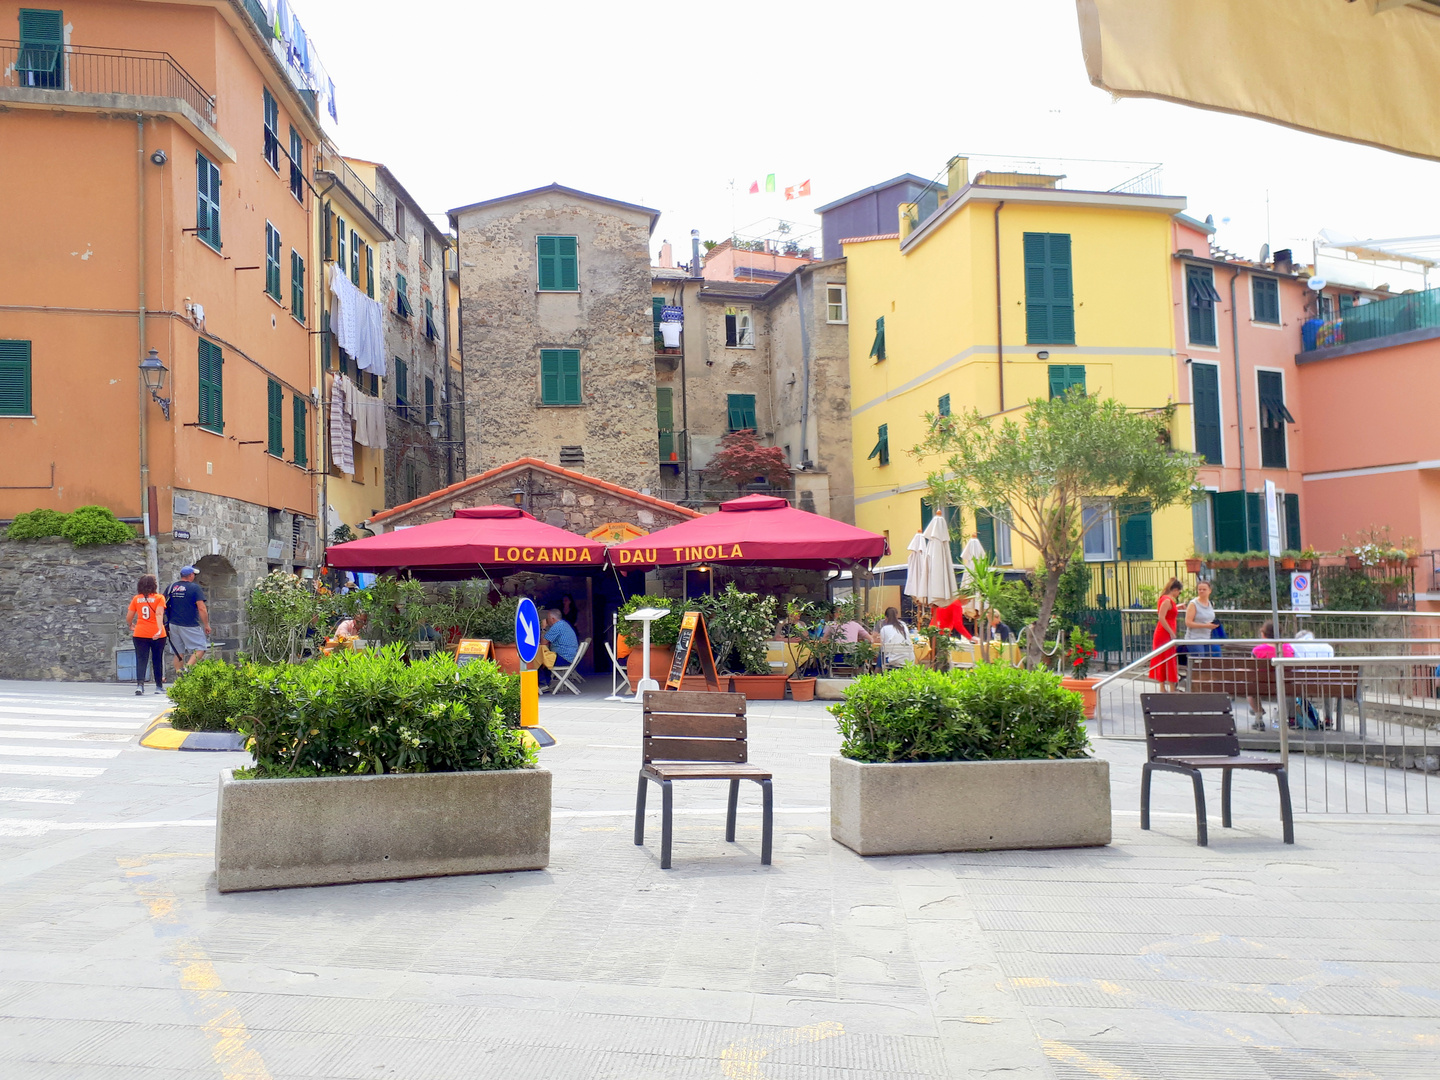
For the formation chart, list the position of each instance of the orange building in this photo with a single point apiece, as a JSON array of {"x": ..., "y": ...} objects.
[{"x": 158, "y": 173}]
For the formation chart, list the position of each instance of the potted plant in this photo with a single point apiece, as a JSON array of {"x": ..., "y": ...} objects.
[
  {"x": 1194, "y": 564},
  {"x": 1223, "y": 560},
  {"x": 811, "y": 652},
  {"x": 993, "y": 757},
  {"x": 1078, "y": 655},
  {"x": 1306, "y": 559},
  {"x": 664, "y": 632},
  {"x": 497, "y": 622},
  {"x": 369, "y": 768},
  {"x": 740, "y": 624},
  {"x": 1288, "y": 559},
  {"x": 1256, "y": 560}
]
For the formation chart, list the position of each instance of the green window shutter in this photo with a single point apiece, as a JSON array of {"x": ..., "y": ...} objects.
[
  {"x": 1273, "y": 415},
  {"x": 354, "y": 258},
  {"x": 569, "y": 268},
  {"x": 276, "y": 443},
  {"x": 207, "y": 200},
  {"x": 926, "y": 513},
  {"x": 272, "y": 260},
  {"x": 943, "y": 407},
  {"x": 665, "y": 420},
  {"x": 1049, "y": 289},
  {"x": 1229, "y": 509},
  {"x": 560, "y": 377},
  {"x": 657, "y": 304},
  {"x": 1137, "y": 542},
  {"x": 15, "y": 399},
  {"x": 1205, "y": 404},
  {"x": 882, "y": 445},
  {"x": 1064, "y": 376},
  {"x": 1062, "y": 291},
  {"x": 558, "y": 262},
  {"x": 741, "y": 410},
  {"x": 570, "y": 376},
  {"x": 985, "y": 529},
  {"x": 402, "y": 383},
  {"x": 42, "y": 42},
  {"x": 550, "y": 376},
  {"x": 545, "y": 254},
  {"x": 301, "y": 440},
  {"x": 1292, "y": 521},
  {"x": 212, "y": 387},
  {"x": 340, "y": 242},
  {"x": 429, "y": 399},
  {"x": 1200, "y": 297},
  {"x": 1265, "y": 294},
  {"x": 297, "y": 285},
  {"x": 1255, "y": 507},
  {"x": 877, "y": 350},
  {"x": 369, "y": 271}
]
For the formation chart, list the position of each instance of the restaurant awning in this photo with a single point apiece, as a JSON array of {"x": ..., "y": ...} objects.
[
  {"x": 1366, "y": 72},
  {"x": 483, "y": 537},
  {"x": 757, "y": 530}
]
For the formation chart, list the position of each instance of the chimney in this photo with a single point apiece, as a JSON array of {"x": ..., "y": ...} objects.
[
  {"x": 694, "y": 252},
  {"x": 957, "y": 175},
  {"x": 667, "y": 257},
  {"x": 1284, "y": 260}
]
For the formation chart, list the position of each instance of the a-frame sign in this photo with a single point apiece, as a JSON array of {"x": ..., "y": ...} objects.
[{"x": 693, "y": 633}]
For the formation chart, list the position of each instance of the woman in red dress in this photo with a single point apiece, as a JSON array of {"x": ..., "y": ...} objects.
[{"x": 1165, "y": 668}]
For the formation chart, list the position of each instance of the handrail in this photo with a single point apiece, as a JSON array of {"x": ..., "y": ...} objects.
[
  {"x": 1291, "y": 611},
  {"x": 1106, "y": 680},
  {"x": 100, "y": 69}
]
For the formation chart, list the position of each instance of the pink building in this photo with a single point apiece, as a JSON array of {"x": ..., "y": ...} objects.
[
  {"x": 726, "y": 262},
  {"x": 1237, "y": 330}
]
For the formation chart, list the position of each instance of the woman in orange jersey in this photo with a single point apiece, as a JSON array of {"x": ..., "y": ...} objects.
[{"x": 145, "y": 618}]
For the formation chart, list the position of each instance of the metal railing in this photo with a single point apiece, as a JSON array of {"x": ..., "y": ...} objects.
[
  {"x": 672, "y": 446},
  {"x": 327, "y": 160},
  {"x": 97, "y": 70},
  {"x": 1377, "y": 319}
]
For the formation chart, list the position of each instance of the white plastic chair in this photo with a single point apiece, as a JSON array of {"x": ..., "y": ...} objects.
[{"x": 568, "y": 678}]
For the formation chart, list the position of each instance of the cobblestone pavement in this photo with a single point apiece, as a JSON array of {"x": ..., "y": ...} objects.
[{"x": 1151, "y": 959}]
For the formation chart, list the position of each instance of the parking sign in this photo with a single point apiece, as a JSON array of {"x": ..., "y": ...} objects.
[{"x": 1300, "y": 591}]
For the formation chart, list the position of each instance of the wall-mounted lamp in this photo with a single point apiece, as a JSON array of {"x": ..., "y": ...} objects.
[
  {"x": 519, "y": 496},
  {"x": 1043, "y": 354},
  {"x": 158, "y": 157},
  {"x": 154, "y": 372}
]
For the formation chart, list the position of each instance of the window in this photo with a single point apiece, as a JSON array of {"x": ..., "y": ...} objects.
[
  {"x": 402, "y": 297},
  {"x": 430, "y": 331},
  {"x": 1201, "y": 298},
  {"x": 1273, "y": 418},
  {"x": 1202, "y": 524},
  {"x": 426, "y": 253},
  {"x": 340, "y": 242},
  {"x": 1265, "y": 300},
  {"x": 740, "y": 409},
  {"x": 994, "y": 532},
  {"x": 374, "y": 385},
  {"x": 272, "y": 131},
  {"x": 835, "y": 307},
  {"x": 739, "y": 328},
  {"x": 1097, "y": 522},
  {"x": 301, "y": 441},
  {"x": 272, "y": 261},
  {"x": 412, "y": 483},
  {"x": 1064, "y": 376},
  {"x": 1137, "y": 538},
  {"x": 369, "y": 271},
  {"x": 212, "y": 388},
  {"x": 1239, "y": 520},
  {"x": 665, "y": 422},
  {"x": 559, "y": 264},
  {"x": 657, "y": 308},
  {"x": 952, "y": 520},
  {"x": 297, "y": 285},
  {"x": 942, "y": 407},
  {"x": 275, "y": 411},
  {"x": 560, "y": 377},
  {"x": 42, "y": 44},
  {"x": 402, "y": 387},
  {"x": 877, "y": 350},
  {"x": 1205, "y": 404},
  {"x": 297, "y": 166},
  {"x": 15, "y": 378},
  {"x": 429, "y": 399},
  {"x": 1292, "y": 522},
  {"x": 399, "y": 220},
  {"x": 882, "y": 445},
  {"x": 354, "y": 258},
  {"x": 207, "y": 200},
  {"x": 1049, "y": 290}
]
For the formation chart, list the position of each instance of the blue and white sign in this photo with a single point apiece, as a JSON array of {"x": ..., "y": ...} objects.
[
  {"x": 527, "y": 630},
  {"x": 1300, "y": 591}
]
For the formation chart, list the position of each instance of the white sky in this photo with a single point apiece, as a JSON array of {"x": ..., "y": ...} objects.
[{"x": 664, "y": 105}]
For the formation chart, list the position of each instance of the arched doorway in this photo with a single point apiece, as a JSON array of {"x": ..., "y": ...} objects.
[{"x": 222, "y": 597}]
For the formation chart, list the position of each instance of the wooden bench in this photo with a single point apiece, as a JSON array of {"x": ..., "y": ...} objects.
[
  {"x": 1185, "y": 733},
  {"x": 1233, "y": 672},
  {"x": 692, "y": 735}
]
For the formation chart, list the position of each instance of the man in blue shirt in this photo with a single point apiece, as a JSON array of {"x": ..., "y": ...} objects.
[
  {"x": 188, "y": 620},
  {"x": 561, "y": 644}
]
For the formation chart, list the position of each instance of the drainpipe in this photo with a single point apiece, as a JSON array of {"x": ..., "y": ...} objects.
[
  {"x": 999, "y": 319},
  {"x": 152, "y": 557},
  {"x": 322, "y": 412},
  {"x": 1239, "y": 410},
  {"x": 804, "y": 370},
  {"x": 685, "y": 357}
]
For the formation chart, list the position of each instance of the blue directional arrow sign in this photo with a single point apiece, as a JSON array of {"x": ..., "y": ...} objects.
[{"x": 527, "y": 629}]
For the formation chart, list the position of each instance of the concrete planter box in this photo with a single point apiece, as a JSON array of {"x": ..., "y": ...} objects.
[
  {"x": 832, "y": 689},
  {"x": 917, "y": 807},
  {"x": 277, "y": 834}
]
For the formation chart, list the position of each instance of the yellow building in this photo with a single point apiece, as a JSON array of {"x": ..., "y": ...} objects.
[{"x": 1084, "y": 297}]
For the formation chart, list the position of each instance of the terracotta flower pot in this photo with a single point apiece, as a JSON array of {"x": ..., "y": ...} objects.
[
  {"x": 1256, "y": 564},
  {"x": 1193, "y": 566},
  {"x": 759, "y": 687},
  {"x": 1086, "y": 689},
  {"x": 1304, "y": 564},
  {"x": 1224, "y": 564},
  {"x": 661, "y": 657},
  {"x": 1412, "y": 561},
  {"x": 802, "y": 689},
  {"x": 507, "y": 657},
  {"x": 1287, "y": 564},
  {"x": 1352, "y": 562}
]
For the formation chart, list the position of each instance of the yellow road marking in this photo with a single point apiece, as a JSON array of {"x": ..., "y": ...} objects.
[
  {"x": 741, "y": 1060},
  {"x": 1095, "y": 1066}
]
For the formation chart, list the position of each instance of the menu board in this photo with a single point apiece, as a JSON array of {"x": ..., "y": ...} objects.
[
  {"x": 693, "y": 633},
  {"x": 472, "y": 649}
]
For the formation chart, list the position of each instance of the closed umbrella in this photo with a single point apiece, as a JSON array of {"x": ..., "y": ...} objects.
[
  {"x": 940, "y": 582},
  {"x": 917, "y": 569},
  {"x": 972, "y": 550}
]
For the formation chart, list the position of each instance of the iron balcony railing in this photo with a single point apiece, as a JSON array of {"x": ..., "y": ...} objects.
[
  {"x": 97, "y": 70},
  {"x": 328, "y": 161},
  {"x": 1377, "y": 319}
]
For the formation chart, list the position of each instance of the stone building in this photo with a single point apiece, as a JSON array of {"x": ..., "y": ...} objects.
[{"x": 555, "y": 329}]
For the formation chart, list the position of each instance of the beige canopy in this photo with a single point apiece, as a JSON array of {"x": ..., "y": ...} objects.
[{"x": 1367, "y": 71}]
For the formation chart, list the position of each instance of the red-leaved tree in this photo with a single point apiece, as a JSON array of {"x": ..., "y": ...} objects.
[{"x": 742, "y": 460}]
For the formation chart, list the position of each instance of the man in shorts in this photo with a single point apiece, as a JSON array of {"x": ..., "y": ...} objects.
[{"x": 188, "y": 620}]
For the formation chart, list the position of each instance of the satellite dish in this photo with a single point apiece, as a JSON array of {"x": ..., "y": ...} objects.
[
  {"x": 1317, "y": 283},
  {"x": 1264, "y": 253},
  {"x": 1210, "y": 220}
]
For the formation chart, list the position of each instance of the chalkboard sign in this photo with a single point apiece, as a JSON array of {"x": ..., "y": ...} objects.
[
  {"x": 472, "y": 649},
  {"x": 693, "y": 632}
]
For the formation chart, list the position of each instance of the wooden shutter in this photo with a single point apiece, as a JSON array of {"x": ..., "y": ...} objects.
[
  {"x": 369, "y": 271},
  {"x": 741, "y": 410},
  {"x": 1062, "y": 290},
  {"x": 340, "y": 242},
  {"x": 42, "y": 40},
  {"x": 730, "y": 321},
  {"x": 545, "y": 254},
  {"x": 665, "y": 420},
  {"x": 1137, "y": 538},
  {"x": 297, "y": 285},
  {"x": 877, "y": 350},
  {"x": 402, "y": 382},
  {"x": 657, "y": 305},
  {"x": 212, "y": 387},
  {"x": 354, "y": 258},
  {"x": 1049, "y": 289},
  {"x": 882, "y": 445},
  {"x": 207, "y": 200},
  {"x": 1205, "y": 397},
  {"x": 550, "y": 376},
  {"x": 1064, "y": 376},
  {"x": 570, "y": 376},
  {"x": 276, "y": 402},
  {"x": 1229, "y": 521},
  {"x": 1199, "y": 288},
  {"x": 926, "y": 513},
  {"x": 943, "y": 406},
  {"x": 15, "y": 397},
  {"x": 1273, "y": 413},
  {"x": 1292, "y": 521},
  {"x": 301, "y": 440},
  {"x": 429, "y": 399},
  {"x": 957, "y": 533},
  {"x": 985, "y": 529},
  {"x": 1255, "y": 507},
  {"x": 1265, "y": 293},
  {"x": 569, "y": 263}
]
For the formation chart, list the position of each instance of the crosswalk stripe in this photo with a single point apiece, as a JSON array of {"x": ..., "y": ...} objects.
[
  {"x": 59, "y": 751},
  {"x": 88, "y": 736},
  {"x": 37, "y": 795},
  {"x": 8, "y": 768},
  {"x": 34, "y": 827},
  {"x": 41, "y": 711},
  {"x": 107, "y": 725}
]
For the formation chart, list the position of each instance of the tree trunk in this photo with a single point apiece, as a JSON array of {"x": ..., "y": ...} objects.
[{"x": 1033, "y": 655}]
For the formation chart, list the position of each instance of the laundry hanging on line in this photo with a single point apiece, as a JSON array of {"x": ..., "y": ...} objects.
[
  {"x": 358, "y": 323},
  {"x": 342, "y": 427}
]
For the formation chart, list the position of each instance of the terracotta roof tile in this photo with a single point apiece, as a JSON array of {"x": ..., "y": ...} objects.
[{"x": 863, "y": 239}]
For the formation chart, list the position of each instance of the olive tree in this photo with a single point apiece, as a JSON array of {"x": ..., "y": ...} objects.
[{"x": 1033, "y": 473}]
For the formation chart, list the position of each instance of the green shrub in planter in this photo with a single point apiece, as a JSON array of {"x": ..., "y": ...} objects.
[
  {"x": 35, "y": 524},
  {"x": 95, "y": 525},
  {"x": 663, "y": 631},
  {"x": 362, "y": 712},
  {"x": 989, "y": 713},
  {"x": 739, "y": 625},
  {"x": 210, "y": 696}
]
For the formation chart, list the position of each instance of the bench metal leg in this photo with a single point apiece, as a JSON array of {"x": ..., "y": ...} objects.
[
  {"x": 767, "y": 826},
  {"x": 1287, "y": 817},
  {"x": 640, "y": 811},
  {"x": 1225, "y": 797},
  {"x": 1145, "y": 774},
  {"x": 731, "y": 811},
  {"x": 1202, "y": 835},
  {"x": 667, "y": 806}
]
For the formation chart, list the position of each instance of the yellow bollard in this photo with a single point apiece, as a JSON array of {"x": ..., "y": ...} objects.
[{"x": 529, "y": 699}]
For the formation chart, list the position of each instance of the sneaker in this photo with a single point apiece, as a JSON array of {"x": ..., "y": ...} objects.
[
  {"x": 139, "y": 690},
  {"x": 160, "y": 689}
]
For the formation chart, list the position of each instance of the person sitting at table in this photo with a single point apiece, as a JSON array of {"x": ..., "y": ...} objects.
[
  {"x": 1264, "y": 651},
  {"x": 354, "y": 626},
  {"x": 559, "y": 644},
  {"x": 999, "y": 629},
  {"x": 849, "y": 632},
  {"x": 895, "y": 645}
]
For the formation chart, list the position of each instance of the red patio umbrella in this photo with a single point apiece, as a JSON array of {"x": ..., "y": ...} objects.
[
  {"x": 481, "y": 537},
  {"x": 757, "y": 530}
]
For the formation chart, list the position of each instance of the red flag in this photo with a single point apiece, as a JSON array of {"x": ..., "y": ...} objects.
[
  {"x": 804, "y": 189},
  {"x": 789, "y": 193},
  {"x": 754, "y": 187}
]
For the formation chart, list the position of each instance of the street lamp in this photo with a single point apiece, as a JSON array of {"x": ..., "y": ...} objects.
[
  {"x": 154, "y": 372},
  {"x": 519, "y": 496}
]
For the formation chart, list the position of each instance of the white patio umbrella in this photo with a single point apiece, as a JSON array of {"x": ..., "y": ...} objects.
[
  {"x": 940, "y": 581},
  {"x": 972, "y": 550},
  {"x": 917, "y": 569}
]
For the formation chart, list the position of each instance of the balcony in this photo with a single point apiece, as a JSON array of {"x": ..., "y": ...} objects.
[
  {"x": 1377, "y": 319},
  {"x": 672, "y": 446},
  {"x": 330, "y": 167},
  {"x": 112, "y": 80}
]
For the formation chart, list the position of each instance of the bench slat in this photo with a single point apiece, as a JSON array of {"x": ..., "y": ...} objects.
[
  {"x": 1195, "y": 745},
  {"x": 1184, "y": 704},
  {"x": 716, "y": 771},
  {"x": 694, "y": 701},
  {"x": 1223, "y": 761},
  {"x": 670, "y": 725},
  {"x": 732, "y": 750},
  {"x": 1193, "y": 724}
]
